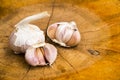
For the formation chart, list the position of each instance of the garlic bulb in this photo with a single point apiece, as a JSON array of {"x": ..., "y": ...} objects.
[
  {"x": 26, "y": 34},
  {"x": 40, "y": 55},
  {"x": 64, "y": 33}
]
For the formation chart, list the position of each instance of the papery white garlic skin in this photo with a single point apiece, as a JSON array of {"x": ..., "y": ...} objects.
[
  {"x": 24, "y": 37},
  {"x": 26, "y": 34},
  {"x": 64, "y": 33},
  {"x": 41, "y": 55}
]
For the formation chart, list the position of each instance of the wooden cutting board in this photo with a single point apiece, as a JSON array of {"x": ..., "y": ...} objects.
[{"x": 96, "y": 35}]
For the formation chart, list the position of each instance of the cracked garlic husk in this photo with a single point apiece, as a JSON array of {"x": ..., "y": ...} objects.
[
  {"x": 41, "y": 54},
  {"x": 26, "y": 34},
  {"x": 64, "y": 33}
]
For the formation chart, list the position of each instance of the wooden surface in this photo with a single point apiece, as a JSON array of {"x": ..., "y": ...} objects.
[{"x": 95, "y": 58}]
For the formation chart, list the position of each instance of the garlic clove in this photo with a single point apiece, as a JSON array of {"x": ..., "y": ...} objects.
[
  {"x": 41, "y": 55},
  {"x": 52, "y": 31},
  {"x": 27, "y": 34},
  {"x": 60, "y": 32},
  {"x": 34, "y": 57},
  {"x": 50, "y": 53},
  {"x": 63, "y": 34},
  {"x": 75, "y": 39},
  {"x": 67, "y": 35},
  {"x": 30, "y": 57}
]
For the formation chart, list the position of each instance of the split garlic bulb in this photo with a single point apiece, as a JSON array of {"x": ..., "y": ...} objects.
[
  {"x": 64, "y": 33},
  {"x": 40, "y": 55},
  {"x": 26, "y": 34}
]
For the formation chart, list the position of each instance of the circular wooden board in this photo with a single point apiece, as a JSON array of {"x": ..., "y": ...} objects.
[{"x": 69, "y": 60}]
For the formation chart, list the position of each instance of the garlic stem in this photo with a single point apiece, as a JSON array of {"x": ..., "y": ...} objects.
[{"x": 33, "y": 17}]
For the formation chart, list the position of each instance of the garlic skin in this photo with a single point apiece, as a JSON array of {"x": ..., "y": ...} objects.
[
  {"x": 26, "y": 34},
  {"x": 64, "y": 33},
  {"x": 41, "y": 55}
]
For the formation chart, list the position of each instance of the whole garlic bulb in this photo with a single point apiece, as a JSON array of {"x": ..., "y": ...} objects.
[
  {"x": 26, "y": 34},
  {"x": 64, "y": 33},
  {"x": 40, "y": 55}
]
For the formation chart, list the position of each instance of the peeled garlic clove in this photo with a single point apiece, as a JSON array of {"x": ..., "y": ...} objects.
[
  {"x": 65, "y": 34},
  {"x": 26, "y": 34},
  {"x": 50, "y": 53},
  {"x": 41, "y": 55}
]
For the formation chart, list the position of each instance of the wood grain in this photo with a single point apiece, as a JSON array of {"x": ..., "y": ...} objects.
[{"x": 96, "y": 56}]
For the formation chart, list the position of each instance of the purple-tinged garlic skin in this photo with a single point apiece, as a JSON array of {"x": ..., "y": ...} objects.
[
  {"x": 26, "y": 34},
  {"x": 64, "y": 33},
  {"x": 41, "y": 55},
  {"x": 34, "y": 57}
]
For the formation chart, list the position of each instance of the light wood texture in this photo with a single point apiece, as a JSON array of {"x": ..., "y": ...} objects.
[{"x": 97, "y": 55}]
